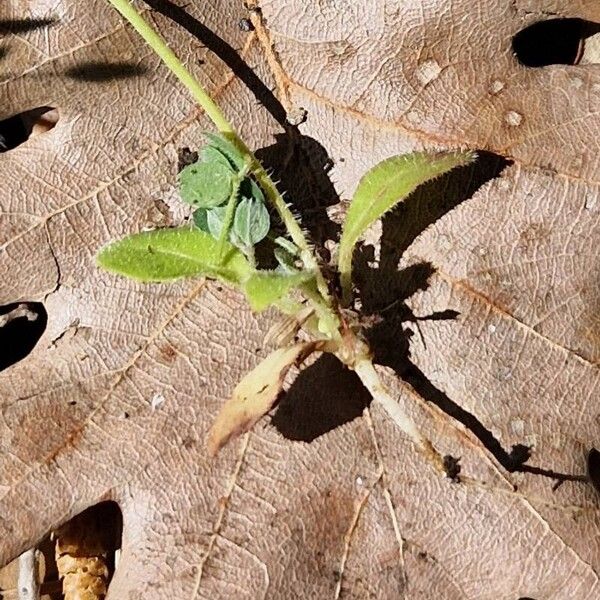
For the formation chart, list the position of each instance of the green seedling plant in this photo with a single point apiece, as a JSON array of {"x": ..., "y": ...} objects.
[{"x": 238, "y": 209}]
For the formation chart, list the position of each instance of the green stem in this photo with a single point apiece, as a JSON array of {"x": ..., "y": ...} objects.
[
  {"x": 213, "y": 111},
  {"x": 249, "y": 252},
  {"x": 329, "y": 324},
  {"x": 345, "y": 270},
  {"x": 230, "y": 210},
  {"x": 167, "y": 55}
]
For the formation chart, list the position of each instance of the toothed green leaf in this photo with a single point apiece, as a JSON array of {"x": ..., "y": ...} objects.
[
  {"x": 167, "y": 254},
  {"x": 382, "y": 188},
  {"x": 206, "y": 184},
  {"x": 251, "y": 223},
  {"x": 263, "y": 288}
]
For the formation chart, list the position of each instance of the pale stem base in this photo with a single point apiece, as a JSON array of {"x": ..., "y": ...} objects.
[{"x": 368, "y": 375}]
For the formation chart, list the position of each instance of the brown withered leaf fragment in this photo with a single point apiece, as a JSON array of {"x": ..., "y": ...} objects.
[{"x": 255, "y": 395}]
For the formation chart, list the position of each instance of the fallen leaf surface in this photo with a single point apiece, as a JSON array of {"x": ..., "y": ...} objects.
[{"x": 503, "y": 286}]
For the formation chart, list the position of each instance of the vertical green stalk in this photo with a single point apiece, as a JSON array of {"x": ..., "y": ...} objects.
[
  {"x": 231, "y": 205},
  {"x": 214, "y": 112}
]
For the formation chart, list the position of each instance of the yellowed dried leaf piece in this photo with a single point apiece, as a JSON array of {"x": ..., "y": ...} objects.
[{"x": 255, "y": 394}]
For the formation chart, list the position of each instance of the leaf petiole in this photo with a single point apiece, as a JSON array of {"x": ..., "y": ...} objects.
[{"x": 231, "y": 204}]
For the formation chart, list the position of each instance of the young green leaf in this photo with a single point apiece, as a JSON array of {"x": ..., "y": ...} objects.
[
  {"x": 264, "y": 288},
  {"x": 382, "y": 188},
  {"x": 214, "y": 220},
  {"x": 210, "y": 154},
  {"x": 173, "y": 253},
  {"x": 200, "y": 218},
  {"x": 288, "y": 246},
  {"x": 251, "y": 223},
  {"x": 206, "y": 184},
  {"x": 286, "y": 262},
  {"x": 226, "y": 148}
]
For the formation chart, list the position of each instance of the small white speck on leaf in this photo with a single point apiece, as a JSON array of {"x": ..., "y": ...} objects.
[
  {"x": 576, "y": 82},
  {"x": 428, "y": 71},
  {"x": 517, "y": 426},
  {"x": 492, "y": 328},
  {"x": 496, "y": 87},
  {"x": 513, "y": 118},
  {"x": 360, "y": 481},
  {"x": 296, "y": 116},
  {"x": 157, "y": 401},
  {"x": 590, "y": 201},
  {"x": 412, "y": 116}
]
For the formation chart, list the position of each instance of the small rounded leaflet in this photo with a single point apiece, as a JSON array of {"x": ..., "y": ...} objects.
[
  {"x": 211, "y": 154},
  {"x": 206, "y": 185},
  {"x": 251, "y": 223},
  {"x": 200, "y": 218},
  {"x": 215, "y": 217}
]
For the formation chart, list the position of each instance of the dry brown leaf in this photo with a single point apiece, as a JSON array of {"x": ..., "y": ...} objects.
[
  {"x": 116, "y": 399},
  {"x": 255, "y": 395}
]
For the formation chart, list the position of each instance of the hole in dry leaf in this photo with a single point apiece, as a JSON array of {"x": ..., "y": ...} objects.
[
  {"x": 97, "y": 72},
  {"x": 19, "y": 128},
  {"x": 93, "y": 537},
  {"x": 324, "y": 396},
  {"x": 24, "y": 25},
  {"x": 452, "y": 467},
  {"x": 555, "y": 42},
  {"x": 21, "y": 326}
]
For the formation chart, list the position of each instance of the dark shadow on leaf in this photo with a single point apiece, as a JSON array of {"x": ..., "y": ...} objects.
[
  {"x": 593, "y": 468},
  {"x": 301, "y": 167},
  {"x": 384, "y": 291},
  {"x": 225, "y": 52},
  {"x": 324, "y": 396},
  {"x": 98, "y": 72},
  {"x": 24, "y": 25},
  {"x": 3, "y": 51},
  {"x": 431, "y": 201}
]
